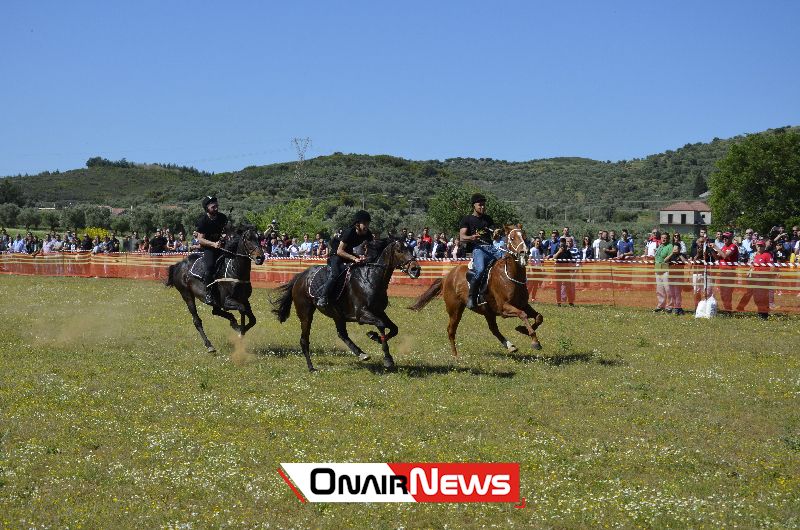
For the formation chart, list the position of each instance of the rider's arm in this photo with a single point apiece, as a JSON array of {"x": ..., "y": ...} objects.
[
  {"x": 462, "y": 234},
  {"x": 201, "y": 238},
  {"x": 341, "y": 251}
]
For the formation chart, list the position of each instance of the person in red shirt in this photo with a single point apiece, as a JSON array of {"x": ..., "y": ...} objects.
[
  {"x": 762, "y": 271},
  {"x": 427, "y": 242},
  {"x": 729, "y": 253}
]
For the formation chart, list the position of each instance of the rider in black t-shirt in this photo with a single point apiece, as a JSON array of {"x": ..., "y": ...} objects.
[
  {"x": 342, "y": 251},
  {"x": 210, "y": 229},
  {"x": 476, "y": 232}
]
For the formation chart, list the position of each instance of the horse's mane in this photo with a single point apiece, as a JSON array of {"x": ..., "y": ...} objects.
[
  {"x": 377, "y": 247},
  {"x": 237, "y": 232}
]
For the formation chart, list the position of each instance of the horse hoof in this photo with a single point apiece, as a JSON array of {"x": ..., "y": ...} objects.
[
  {"x": 513, "y": 349},
  {"x": 363, "y": 357},
  {"x": 312, "y": 370},
  {"x": 536, "y": 346},
  {"x": 211, "y": 349},
  {"x": 388, "y": 364},
  {"x": 374, "y": 336}
]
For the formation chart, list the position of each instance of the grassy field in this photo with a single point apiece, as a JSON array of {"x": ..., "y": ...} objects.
[{"x": 113, "y": 416}]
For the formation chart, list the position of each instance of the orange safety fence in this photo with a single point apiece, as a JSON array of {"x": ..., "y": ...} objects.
[{"x": 737, "y": 287}]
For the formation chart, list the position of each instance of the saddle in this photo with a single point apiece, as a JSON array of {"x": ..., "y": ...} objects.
[
  {"x": 197, "y": 268},
  {"x": 320, "y": 276},
  {"x": 485, "y": 282}
]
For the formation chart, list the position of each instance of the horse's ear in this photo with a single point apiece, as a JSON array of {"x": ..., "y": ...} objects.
[
  {"x": 508, "y": 228},
  {"x": 519, "y": 225}
]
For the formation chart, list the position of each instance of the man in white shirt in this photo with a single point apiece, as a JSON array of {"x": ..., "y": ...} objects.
[
  {"x": 18, "y": 245},
  {"x": 306, "y": 247}
]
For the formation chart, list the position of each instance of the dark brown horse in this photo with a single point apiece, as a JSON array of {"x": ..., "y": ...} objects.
[
  {"x": 506, "y": 293},
  {"x": 363, "y": 299},
  {"x": 233, "y": 288}
]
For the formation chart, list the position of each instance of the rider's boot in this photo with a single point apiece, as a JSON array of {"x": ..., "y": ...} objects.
[
  {"x": 473, "y": 291},
  {"x": 209, "y": 299},
  {"x": 322, "y": 301}
]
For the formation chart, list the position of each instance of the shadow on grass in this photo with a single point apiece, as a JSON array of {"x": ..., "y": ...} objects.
[
  {"x": 318, "y": 356},
  {"x": 426, "y": 370},
  {"x": 559, "y": 360},
  {"x": 295, "y": 352}
]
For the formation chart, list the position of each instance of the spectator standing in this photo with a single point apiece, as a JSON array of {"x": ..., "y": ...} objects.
[
  {"x": 625, "y": 245},
  {"x": 653, "y": 242},
  {"x": 663, "y": 252},
  {"x": 586, "y": 250},
  {"x": 607, "y": 249},
  {"x": 676, "y": 276},
  {"x": 551, "y": 245},
  {"x": 535, "y": 263},
  {"x": 718, "y": 240},
  {"x": 704, "y": 236},
  {"x": 728, "y": 256},
  {"x": 596, "y": 244},
  {"x": 158, "y": 245},
  {"x": 294, "y": 249},
  {"x": 19, "y": 245},
  {"x": 565, "y": 286},
  {"x": 306, "y": 247}
]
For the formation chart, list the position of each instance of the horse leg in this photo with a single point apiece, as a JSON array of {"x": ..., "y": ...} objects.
[
  {"x": 306, "y": 316},
  {"x": 383, "y": 338},
  {"x": 250, "y": 316},
  {"x": 341, "y": 330},
  {"x": 511, "y": 311},
  {"x": 188, "y": 297},
  {"x": 491, "y": 319},
  {"x": 226, "y": 315},
  {"x": 455, "y": 311}
]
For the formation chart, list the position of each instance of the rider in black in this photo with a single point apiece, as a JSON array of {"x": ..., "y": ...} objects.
[
  {"x": 476, "y": 231},
  {"x": 352, "y": 237},
  {"x": 210, "y": 229}
]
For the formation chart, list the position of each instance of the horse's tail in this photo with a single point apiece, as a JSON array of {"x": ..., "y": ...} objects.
[
  {"x": 432, "y": 292},
  {"x": 169, "y": 281},
  {"x": 282, "y": 301}
]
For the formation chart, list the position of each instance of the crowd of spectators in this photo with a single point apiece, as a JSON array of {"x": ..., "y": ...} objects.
[
  {"x": 162, "y": 241},
  {"x": 563, "y": 246}
]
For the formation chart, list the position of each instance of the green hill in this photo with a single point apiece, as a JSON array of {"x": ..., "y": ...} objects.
[{"x": 540, "y": 189}]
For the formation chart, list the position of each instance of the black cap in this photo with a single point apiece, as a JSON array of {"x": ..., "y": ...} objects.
[
  {"x": 477, "y": 197},
  {"x": 208, "y": 200},
  {"x": 362, "y": 217}
]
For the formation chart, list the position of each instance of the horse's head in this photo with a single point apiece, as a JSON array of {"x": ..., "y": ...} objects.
[
  {"x": 515, "y": 243},
  {"x": 249, "y": 244},
  {"x": 395, "y": 254}
]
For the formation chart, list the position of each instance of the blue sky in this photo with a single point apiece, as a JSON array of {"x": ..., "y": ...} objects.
[{"x": 221, "y": 86}]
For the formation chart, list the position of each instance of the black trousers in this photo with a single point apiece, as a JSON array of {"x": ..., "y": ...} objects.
[
  {"x": 337, "y": 266},
  {"x": 210, "y": 256}
]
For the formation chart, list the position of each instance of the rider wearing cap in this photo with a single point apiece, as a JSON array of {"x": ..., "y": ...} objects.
[
  {"x": 352, "y": 237},
  {"x": 210, "y": 229},
  {"x": 476, "y": 231}
]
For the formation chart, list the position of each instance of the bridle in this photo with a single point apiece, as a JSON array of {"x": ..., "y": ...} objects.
[
  {"x": 519, "y": 251},
  {"x": 515, "y": 250},
  {"x": 403, "y": 267},
  {"x": 245, "y": 244}
]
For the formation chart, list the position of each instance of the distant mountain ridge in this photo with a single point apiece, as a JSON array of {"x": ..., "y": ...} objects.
[{"x": 585, "y": 187}]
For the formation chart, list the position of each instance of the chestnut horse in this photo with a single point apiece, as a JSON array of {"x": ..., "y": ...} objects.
[{"x": 506, "y": 293}]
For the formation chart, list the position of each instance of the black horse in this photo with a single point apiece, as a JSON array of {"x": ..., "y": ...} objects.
[
  {"x": 233, "y": 281},
  {"x": 363, "y": 297}
]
